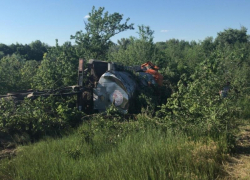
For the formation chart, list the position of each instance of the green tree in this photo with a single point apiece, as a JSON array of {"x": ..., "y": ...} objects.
[
  {"x": 123, "y": 43},
  {"x": 1, "y": 55},
  {"x": 10, "y": 73},
  {"x": 16, "y": 73},
  {"x": 161, "y": 45},
  {"x": 208, "y": 45},
  {"x": 100, "y": 27},
  {"x": 197, "y": 103},
  {"x": 6, "y": 50},
  {"x": 231, "y": 36},
  {"x": 37, "y": 50},
  {"x": 28, "y": 72},
  {"x": 32, "y": 51},
  {"x": 138, "y": 50},
  {"x": 58, "y": 68}
]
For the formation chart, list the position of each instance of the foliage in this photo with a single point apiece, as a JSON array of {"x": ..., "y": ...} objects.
[
  {"x": 32, "y": 51},
  {"x": 9, "y": 73},
  {"x": 16, "y": 73},
  {"x": 6, "y": 50},
  {"x": 208, "y": 45},
  {"x": 58, "y": 68},
  {"x": 101, "y": 26},
  {"x": 112, "y": 110},
  {"x": 123, "y": 43},
  {"x": 146, "y": 100},
  {"x": 197, "y": 103},
  {"x": 38, "y": 118},
  {"x": 138, "y": 50},
  {"x": 231, "y": 36}
]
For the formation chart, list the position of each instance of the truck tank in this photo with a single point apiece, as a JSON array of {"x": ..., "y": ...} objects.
[
  {"x": 114, "y": 87},
  {"x": 118, "y": 87}
]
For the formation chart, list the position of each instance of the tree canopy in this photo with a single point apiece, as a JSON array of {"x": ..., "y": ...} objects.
[
  {"x": 99, "y": 28},
  {"x": 231, "y": 36}
]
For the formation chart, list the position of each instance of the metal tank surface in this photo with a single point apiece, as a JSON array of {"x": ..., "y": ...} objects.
[
  {"x": 117, "y": 84},
  {"x": 114, "y": 87}
]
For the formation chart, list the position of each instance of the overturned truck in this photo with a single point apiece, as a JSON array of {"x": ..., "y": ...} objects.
[
  {"x": 102, "y": 84},
  {"x": 116, "y": 84}
]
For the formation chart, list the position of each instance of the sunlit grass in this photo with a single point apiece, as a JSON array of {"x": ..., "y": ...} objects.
[{"x": 149, "y": 154}]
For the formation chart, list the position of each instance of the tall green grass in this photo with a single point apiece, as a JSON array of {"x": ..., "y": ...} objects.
[{"x": 148, "y": 154}]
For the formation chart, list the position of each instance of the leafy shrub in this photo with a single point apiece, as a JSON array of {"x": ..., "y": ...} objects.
[
  {"x": 197, "y": 103},
  {"x": 39, "y": 117}
]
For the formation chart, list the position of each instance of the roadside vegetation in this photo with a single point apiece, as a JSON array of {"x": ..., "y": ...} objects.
[{"x": 186, "y": 131}]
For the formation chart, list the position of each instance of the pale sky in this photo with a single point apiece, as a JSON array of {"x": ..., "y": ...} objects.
[{"x": 24, "y": 21}]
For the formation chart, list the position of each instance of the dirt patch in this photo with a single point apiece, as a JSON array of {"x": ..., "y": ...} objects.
[{"x": 238, "y": 166}]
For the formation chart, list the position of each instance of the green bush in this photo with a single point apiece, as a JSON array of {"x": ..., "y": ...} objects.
[
  {"x": 37, "y": 118},
  {"x": 197, "y": 103}
]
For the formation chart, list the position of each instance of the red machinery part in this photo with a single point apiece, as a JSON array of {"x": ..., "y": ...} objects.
[
  {"x": 153, "y": 70},
  {"x": 157, "y": 76}
]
